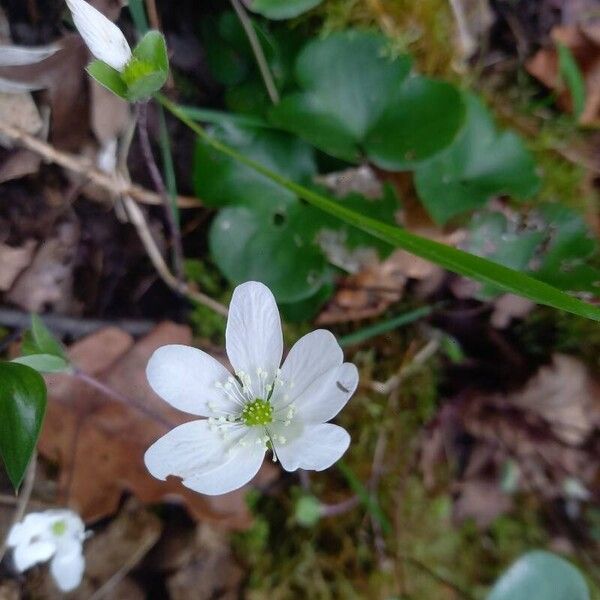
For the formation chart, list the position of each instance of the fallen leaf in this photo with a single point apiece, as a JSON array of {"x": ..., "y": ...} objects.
[
  {"x": 481, "y": 500},
  {"x": 86, "y": 432},
  {"x": 583, "y": 40},
  {"x": 212, "y": 571},
  {"x": 47, "y": 283},
  {"x": 508, "y": 307},
  {"x": 14, "y": 260},
  {"x": 565, "y": 396}
]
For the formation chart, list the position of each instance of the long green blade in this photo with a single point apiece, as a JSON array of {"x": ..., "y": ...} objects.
[{"x": 454, "y": 260}]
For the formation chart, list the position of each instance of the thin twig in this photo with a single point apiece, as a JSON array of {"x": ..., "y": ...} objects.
[
  {"x": 259, "y": 55},
  {"x": 161, "y": 188},
  {"x": 153, "y": 17},
  {"x": 86, "y": 169},
  {"x": 137, "y": 218},
  {"x": 73, "y": 326},
  {"x": 22, "y": 501},
  {"x": 466, "y": 40}
]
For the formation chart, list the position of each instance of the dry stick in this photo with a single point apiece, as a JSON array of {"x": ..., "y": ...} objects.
[
  {"x": 161, "y": 188},
  {"x": 138, "y": 220},
  {"x": 153, "y": 17},
  {"x": 467, "y": 42},
  {"x": 22, "y": 501},
  {"x": 257, "y": 50},
  {"x": 84, "y": 168}
]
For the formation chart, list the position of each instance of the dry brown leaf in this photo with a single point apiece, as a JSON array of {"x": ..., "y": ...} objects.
[
  {"x": 508, "y": 307},
  {"x": 48, "y": 281},
  {"x": 99, "y": 442},
  {"x": 14, "y": 260},
  {"x": 109, "y": 114},
  {"x": 565, "y": 396},
  {"x": 374, "y": 289},
  {"x": 584, "y": 43},
  {"x": 481, "y": 500},
  {"x": 212, "y": 571}
]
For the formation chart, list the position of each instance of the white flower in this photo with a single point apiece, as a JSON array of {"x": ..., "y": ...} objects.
[
  {"x": 53, "y": 534},
  {"x": 104, "y": 39},
  {"x": 262, "y": 408}
]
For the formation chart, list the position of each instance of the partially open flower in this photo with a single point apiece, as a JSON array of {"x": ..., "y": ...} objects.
[
  {"x": 104, "y": 39},
  {"x": 264, "y": 407},
  {"x": 53, "y": 534}
]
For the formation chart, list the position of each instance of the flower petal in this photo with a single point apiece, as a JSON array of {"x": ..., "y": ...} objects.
[
  {"x": 186, "y": 378},
  {"x": 327, "y": 395},
  {"x": 27, "y": 555},
  {"x": 67, "y": 568},
  {"x": 34, "y": 524},
  {"x": 239, "y": 469},
  {"x": 104, "y": 39},
  {"x": 311, "y": 356},
  {"x": 185, "y": 451},
  {"x": 315, "y": 449},
  {"x": 253, "y": 337}
]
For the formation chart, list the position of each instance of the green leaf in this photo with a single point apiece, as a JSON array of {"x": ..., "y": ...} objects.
[
  {"x": 221, "y": 181},
  {"x": 480, "y": 164},
  {"x": 348, "y": 84},
  {"x": 108, "y": 77},
  {"x": 43, "y": 363},
  {"x": 148, "y": 71},
  {"x": 541, "y": 575},
  {"x": 41, "y": 340},
  {"x": 282, "y": 9},
  {"x": 452, "y": 259},
  {"x": 569, "y": 246},
  {"x": 422, "y": 118},
  {"x": 22, "y": 408},
  {"x": 553, "y": 243},
  {"x": 271, "y": 244},
  {"x": 573, "y": 78}
]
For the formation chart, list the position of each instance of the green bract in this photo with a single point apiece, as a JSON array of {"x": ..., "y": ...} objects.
[
  {"x": 282, "y": 9},
  {"x": 540, "y": 575},
  {"x": 357, "y": 101},
  {"x": 145, "y": 74},
  {"x": 481, "y": 163},
  {"x": 22, "y": 408}
]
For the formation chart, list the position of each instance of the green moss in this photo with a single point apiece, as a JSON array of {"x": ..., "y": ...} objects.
[{"x": 425, "y": 28}]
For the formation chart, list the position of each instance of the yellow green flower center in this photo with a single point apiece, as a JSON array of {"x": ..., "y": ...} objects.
[
  {"x": 59, "y": 528},
  {"x": 257, "y": 412}
]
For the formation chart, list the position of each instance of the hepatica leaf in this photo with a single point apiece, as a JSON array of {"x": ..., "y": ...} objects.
[
  {"x": 263, "y": 231},
  {"x": 481, "y": 163},
  {"x": 355, "y": 100},
  {"x": 22, "y": 408},
  {"x": 553, "y": 244},
  {"x": 282, "y": 9},
  {"x": 540, "y": 575}
]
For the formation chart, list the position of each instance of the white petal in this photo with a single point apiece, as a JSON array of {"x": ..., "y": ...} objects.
[
  {"x": 253, "y": 337},
  {"x": 104, "y": 39},
  {"x": 239, "y": 469},
  {"x": 67, "y": 568},
  {"x": 27, "y": 555},
  {"x": 327, "y": 395},
  {"x": 185, "y": 451},
  {"x": 12, "y": 56},
  {"x": 33, "y": 525},
  {"x": 317, "y": 448},
  {"x": 311, "y": 356},
  {"x": 186, "y": 378}
]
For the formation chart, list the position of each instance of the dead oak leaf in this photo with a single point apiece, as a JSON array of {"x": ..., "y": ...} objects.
[{"x": 99, "y": 442}]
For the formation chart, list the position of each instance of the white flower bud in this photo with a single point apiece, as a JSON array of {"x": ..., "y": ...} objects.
[{"x": 104, "y": 39}]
